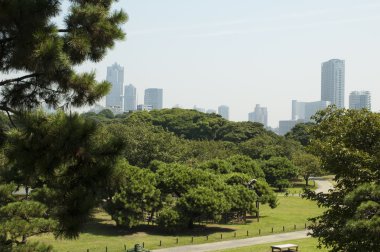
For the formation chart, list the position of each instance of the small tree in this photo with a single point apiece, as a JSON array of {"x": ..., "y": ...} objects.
[
  {"x": 307, "y": 164},
  {"x": 278, "y": 171}
]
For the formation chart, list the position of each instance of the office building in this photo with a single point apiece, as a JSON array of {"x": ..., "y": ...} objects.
[
  {"x": 287, "y": 125},
  {"x": 154, "y": 97},
  {"x": 360, "y": 100},
  {"x": 211, "y": 111},
  {"x": 333, "y": 82},
  {"x": 260, "y": 115},
  {"x": 143, "y": 107},
  {"x": 130, "y": 98},
  {"x": 115, "y": 75},
  {"x": 306, "y": 110},
  {"x": 203, "y": 110},
  {"x": 224, "y": 111}
]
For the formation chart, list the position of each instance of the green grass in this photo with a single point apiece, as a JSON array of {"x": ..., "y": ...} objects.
[
  {"x": 305, "y": 245},
  {"x": 102, "y": 232}
]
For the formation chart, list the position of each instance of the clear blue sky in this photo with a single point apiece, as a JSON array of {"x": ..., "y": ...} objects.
[{"x": 243, "y": 52}]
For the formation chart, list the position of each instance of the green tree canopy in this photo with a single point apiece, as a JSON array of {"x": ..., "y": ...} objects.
[
  {"x": 301, "y": 133},
  {"x": 308, "y": 165},
  {"x": 131, "y": 192},
  {"x": 278, "y": 171},
  {"x": 348, "y": 143}
]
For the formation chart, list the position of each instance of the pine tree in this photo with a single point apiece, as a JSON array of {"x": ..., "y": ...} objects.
[
  {"x": 44, "y": 55},
  {"x": 61, "y": 161}
]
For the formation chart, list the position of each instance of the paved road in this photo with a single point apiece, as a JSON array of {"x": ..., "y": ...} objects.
[
  {"x": 323, "y": 186},
  {"x": 237, "y": 243}
]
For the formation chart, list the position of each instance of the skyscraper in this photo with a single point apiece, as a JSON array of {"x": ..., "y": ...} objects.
[
  {"x": 115, "y": 75},
  {"x": 260, "y": 115},
  {"x": 360, "y": 100},
  {"x": 224, "y": 111},
  {"x": 130, "y": 98},
  {"x": 333, "y": 81},
  {"x": 154, "y": 97}
]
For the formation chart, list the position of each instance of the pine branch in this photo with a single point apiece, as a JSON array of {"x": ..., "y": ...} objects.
[
  {"x": 5, "y": 40},
  {"x": 10, "y": 119},
  {"x": 6, "y": 82}
]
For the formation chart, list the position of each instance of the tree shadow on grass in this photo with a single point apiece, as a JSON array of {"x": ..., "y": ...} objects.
[{"x": 106, "y": 227}]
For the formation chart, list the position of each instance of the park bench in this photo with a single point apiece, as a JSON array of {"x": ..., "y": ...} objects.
[{"x": 284, "y": 247}]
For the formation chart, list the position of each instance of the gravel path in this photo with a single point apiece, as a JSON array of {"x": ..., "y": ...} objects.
[{"x": 323, "y": 186}]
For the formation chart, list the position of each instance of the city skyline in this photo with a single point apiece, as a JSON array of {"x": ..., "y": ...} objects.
[{"x": 246, "y": 53}]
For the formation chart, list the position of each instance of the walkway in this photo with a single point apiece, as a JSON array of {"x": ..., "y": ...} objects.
[
  {"x": 237, "y": 243},
  {"x": 324, "y": 185}
]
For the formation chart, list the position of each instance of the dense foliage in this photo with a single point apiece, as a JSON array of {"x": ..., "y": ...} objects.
[
  {"x": 193, "y": 179},
  {"x": 348, "y": 143}
]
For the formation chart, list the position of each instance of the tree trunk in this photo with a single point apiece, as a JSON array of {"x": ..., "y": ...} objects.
[
  {"x": 190, "y": 224},
  {"x": 307, "y": 180},
  {"x": 258, "y": 211}
]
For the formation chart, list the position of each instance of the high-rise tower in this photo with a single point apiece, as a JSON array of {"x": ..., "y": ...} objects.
[
  {"x": 360, "y": 100},
  {"x": 115, "y": 75},
  {"x": 260, "y": 115},
  {"x": 154, "y": 97},
  {"x": 130, "y": 98},
  {"x": 224, "y": 111},
  {"x": 333, "y": 82}
]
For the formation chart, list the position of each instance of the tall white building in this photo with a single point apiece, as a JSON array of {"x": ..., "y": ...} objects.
[
  {"x": 224, "y": 111},
  {"x": 260, "y": 115},
  {"x": 305, "y": 110},
  {"x": 115, "y": 75},
  {"x": 360, "y": 100},
  {"x": 130, "y": 98},
  {"x": 333, "y": 82},
  {"x": 154, "y": 97}
]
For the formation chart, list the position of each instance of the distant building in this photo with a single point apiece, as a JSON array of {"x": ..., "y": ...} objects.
[
  {"x": 199, "y": 109},
  {"x": 211, "y": 111},
  {"x": 224, "y": 111},
  {"x": 97, "y": 108},
  {"x": 333, "y": 82},
  {"x": 154, "y": 97},
  {"x": 143, "y": 107},
  {"x": 130, "y": 98},
  {"x": 305, "y": 110},
  {"x": 115, "y": 75},
  {"x": 360, "y": 100},
  {"x": 260, "y": 115},
  {"x": 286, "y": 125}
]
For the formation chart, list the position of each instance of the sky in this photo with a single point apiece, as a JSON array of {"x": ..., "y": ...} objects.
[{"x": 246, "y": 52}]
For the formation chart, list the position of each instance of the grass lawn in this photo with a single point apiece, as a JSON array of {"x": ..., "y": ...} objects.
[
  {"x": 305, "y": 245},
  {"x": 102, "y": 232}
]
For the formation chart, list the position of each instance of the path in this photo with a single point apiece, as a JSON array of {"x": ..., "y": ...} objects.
[
  {"x": 237, "y": 243},
  {"x": 323, "y": 186}
]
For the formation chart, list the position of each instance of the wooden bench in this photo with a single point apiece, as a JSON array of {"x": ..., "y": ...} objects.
[{"x": 285, "y": 247}]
